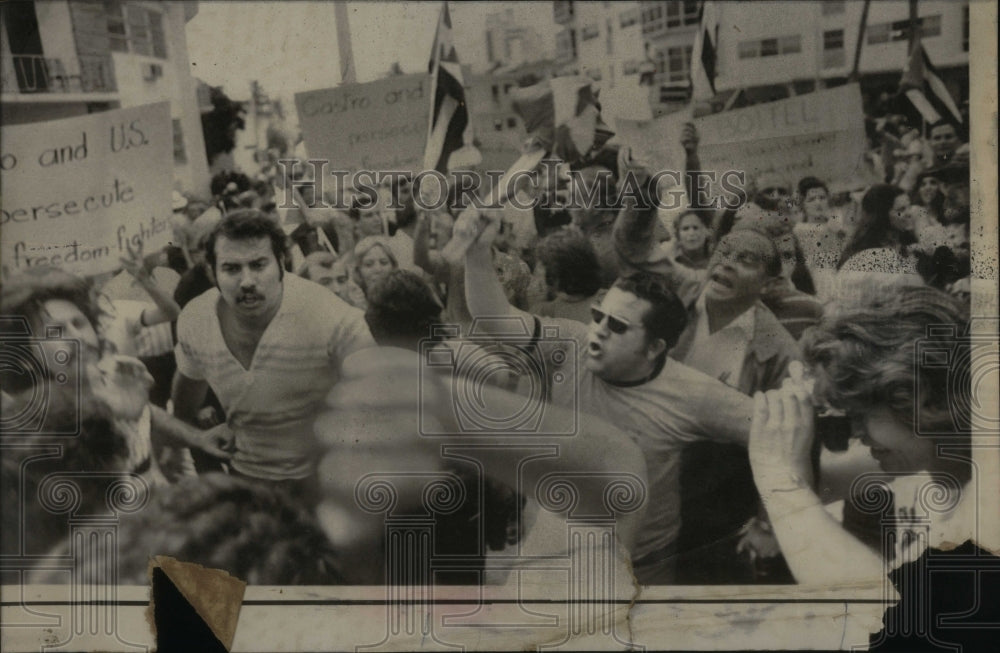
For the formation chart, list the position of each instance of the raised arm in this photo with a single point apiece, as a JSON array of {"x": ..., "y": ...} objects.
[
  {"x": 817, "y": 549},
  {"x": 403, "y": 427},
  {"x": 166, "y": 309},
  {"x": 484, "y": 293}
]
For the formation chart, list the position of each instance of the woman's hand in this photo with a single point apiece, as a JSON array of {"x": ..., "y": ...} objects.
[{"x": 781, "y": 438}]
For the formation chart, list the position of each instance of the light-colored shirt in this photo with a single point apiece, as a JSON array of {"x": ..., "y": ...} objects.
[
  {"x": 720, "y": 354},
  {"x": 271, "y": 405},
  {"x": 678, "y": 406},
  {"x": 122, "y": 326}
]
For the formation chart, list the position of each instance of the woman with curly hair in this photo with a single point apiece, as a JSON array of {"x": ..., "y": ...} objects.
[{"x": 872, "y": 361}]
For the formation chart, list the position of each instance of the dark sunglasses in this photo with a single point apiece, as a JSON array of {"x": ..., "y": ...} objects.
[
  {"x": 775, "y": 190},
  {"x": 615, "y": 324}
]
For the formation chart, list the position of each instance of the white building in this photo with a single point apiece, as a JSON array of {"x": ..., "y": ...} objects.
[
  {"x": 813, "y": 43},
  {"x": 511, "y": 42},
  {"x": 619, "y": 44},
  {"x": 66, "y": 58}
]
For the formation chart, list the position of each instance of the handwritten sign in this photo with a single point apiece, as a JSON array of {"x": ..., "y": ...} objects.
[
  {"x": 820, "y": 134},
  {"x": 77, "y": 191},
  {"x": 380, "y": 125}
]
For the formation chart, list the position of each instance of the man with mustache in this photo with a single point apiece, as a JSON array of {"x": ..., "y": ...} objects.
[{"x": 268, "y": 345}]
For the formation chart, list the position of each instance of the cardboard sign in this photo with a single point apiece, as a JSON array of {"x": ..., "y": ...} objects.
[
  {"x": 820, "y": 134},
  {"x": 380, "y": 125},
  {"x": 75, "y": 191}
]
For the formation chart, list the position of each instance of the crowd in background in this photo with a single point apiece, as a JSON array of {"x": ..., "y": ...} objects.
[{"x": 219, "y": 370}]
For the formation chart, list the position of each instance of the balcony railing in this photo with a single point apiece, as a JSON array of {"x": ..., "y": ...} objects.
[{"x": 35, "y": 73}]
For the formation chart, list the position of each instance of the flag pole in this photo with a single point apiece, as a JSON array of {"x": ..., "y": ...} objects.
[
  {"x": 435, "y": 66},
  {"x": 855, "y": 74},
  {"x": 347, "y": 73}
]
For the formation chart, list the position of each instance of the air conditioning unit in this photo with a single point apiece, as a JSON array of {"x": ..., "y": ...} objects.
[{"x": 152, "y": 71}]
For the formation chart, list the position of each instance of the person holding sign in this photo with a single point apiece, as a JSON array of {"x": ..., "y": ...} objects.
[{"x": 268, "y": 344}]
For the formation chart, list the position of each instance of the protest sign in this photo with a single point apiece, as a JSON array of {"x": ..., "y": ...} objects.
[
  {"x": 77, "y": 191},
  {"x": 380, "y": 125},
  {"x": 820, "y": 134}
]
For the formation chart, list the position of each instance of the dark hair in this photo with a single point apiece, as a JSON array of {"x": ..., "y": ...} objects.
[
  {"x": 247, "y": 224},
  {"x": 667, "y": 317},
  {"x": 936, "y": 206},
  {"x": 570, "y": 262},
  {"x": 874, "y": 229},
  {"x": 772, "y": 266},
  {"x": 401, "y": 310},
  {"x": 869, "y": 355},
  {"x": 22, "y": 298},
  {"x": 249, "y": 528},
  {"x": 96, "y": 451},
  {"x": 806, "y": 184}
]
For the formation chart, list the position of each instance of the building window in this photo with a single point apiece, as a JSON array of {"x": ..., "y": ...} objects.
[
  {"x": 498, "y": 125},
  {"x": 590, "y": 32},
  {"x": 511, "y": 123},
  {"x": 135, "y": 29},
  {"x": 674, "y": 14},
  {"x": 768, "y": 47},
  {"x": 833, "y": 7},
  {"x": 678, "y": 64},
  {"x": 692, "y": 11},
  {"x": 495, "y": 91},
  {"x": 631, "y": 17},
  {"x": 749, "y": 49},
  {"x": 899, "y": 30},
  {"x": 833, "y": 48},
  {"x": 609, "y": 41},
  {"x": 180, "y": 156},
  {"x": 790, "y": 44},
  {"x": 631, "y": 67},
  {"x": 833, "y": 39},
  {"x": 117, "y": 33}
]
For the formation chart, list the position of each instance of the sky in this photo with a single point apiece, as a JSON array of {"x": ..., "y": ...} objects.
[{"x": 291, "y": 47}]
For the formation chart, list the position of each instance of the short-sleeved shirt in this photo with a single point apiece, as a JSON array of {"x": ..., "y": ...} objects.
[
  {"x": 271, "y": 406},
  {"x": 678, "y": 406}
]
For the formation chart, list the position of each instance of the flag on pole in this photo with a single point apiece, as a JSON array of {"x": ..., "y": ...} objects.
[
  {"x": 925, "y": 89},
  {"x": 703, "y": 54},
  {"x": 449, "y": 116},
  {"x": 562, "y": 116}
]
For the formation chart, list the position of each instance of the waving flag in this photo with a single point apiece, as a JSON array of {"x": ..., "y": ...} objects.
[
  {"x": 449, "y": 116},
  {"x": 563, "y": 117},
  {"x": 703, "y": 54},
  {"x": 925, "y": 89}
]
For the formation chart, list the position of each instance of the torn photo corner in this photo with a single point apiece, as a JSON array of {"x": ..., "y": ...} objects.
[{"x": 752, "y": 407}]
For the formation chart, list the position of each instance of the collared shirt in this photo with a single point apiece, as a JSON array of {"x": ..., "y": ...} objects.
[
  {"x": 271, "y": 405},
  {"x": 720, "y": 354}
]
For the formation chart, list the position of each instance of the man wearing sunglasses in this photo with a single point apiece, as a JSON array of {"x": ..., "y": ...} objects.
[{"x": 617, "y": 368}]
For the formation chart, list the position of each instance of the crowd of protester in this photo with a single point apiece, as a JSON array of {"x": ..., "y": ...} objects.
[{"x": 251, "y": 372}]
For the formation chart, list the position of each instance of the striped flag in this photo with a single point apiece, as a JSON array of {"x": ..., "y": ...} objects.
[
  {"x": 449, "y": 116},
  {"x": 924, "y": 88},
  {"x": 563, "y": 117},
  {"x": 703, "y": 54}
]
